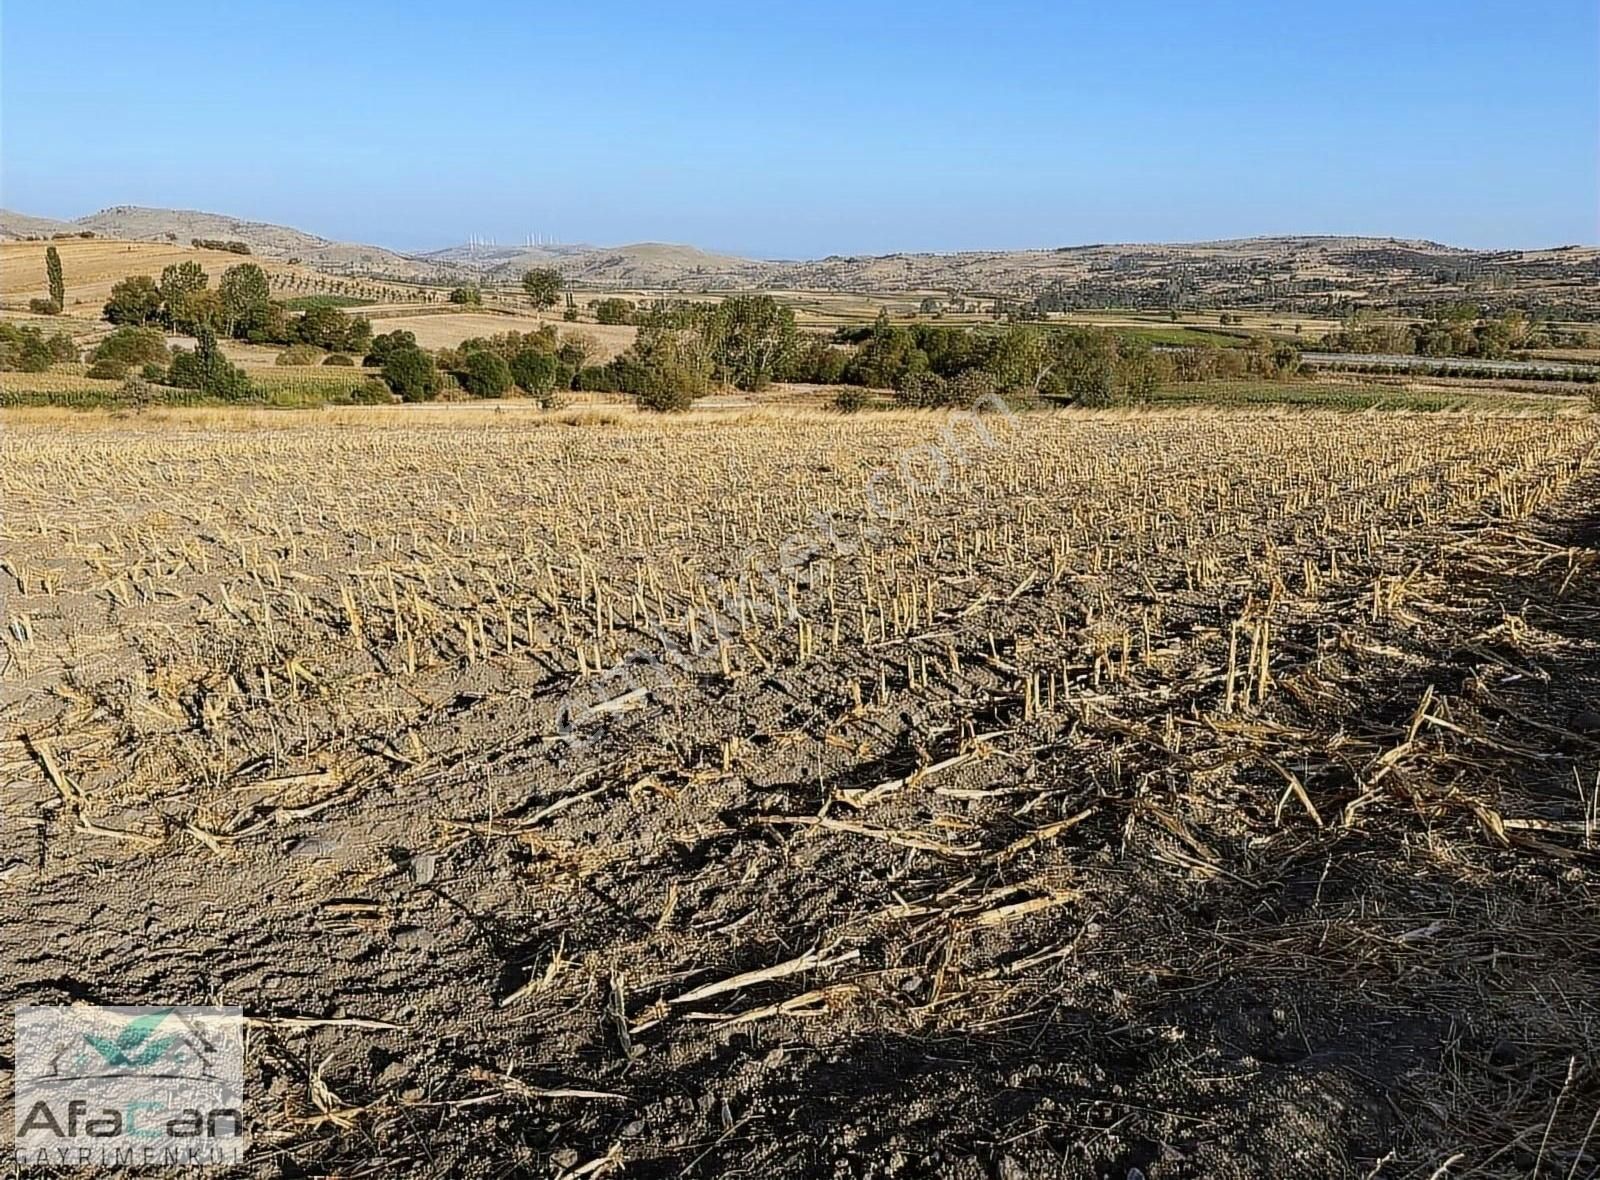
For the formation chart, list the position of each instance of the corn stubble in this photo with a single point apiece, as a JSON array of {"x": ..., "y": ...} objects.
[{"x": 1179, "y": 772}]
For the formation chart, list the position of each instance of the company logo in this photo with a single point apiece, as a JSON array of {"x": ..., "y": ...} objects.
[{"x": 129, "y": 1087}]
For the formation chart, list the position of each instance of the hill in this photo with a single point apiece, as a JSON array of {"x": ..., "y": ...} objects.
[
  {"x": 15, "y": 226},
  {"x": 1310, "y": 275}
]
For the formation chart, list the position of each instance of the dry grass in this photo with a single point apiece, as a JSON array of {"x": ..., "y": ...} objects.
[{"x": 90, "y": 266}]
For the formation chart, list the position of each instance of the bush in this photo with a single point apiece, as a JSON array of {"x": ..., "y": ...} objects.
[
  {"x": 614, "y": 311},
  {"x": 924, "y": 390},
  {"x": 484, "y": 374},
  {"x": 338, "y": 358},
  {"x": 410, "y": 372},
  {"x": 534, "y": 371},
  {"x": 665, "y": 397},
  {"x": 136, "y": 393},
  {"x": 61, "y": 347},
  {"x": 299, "y": 354},
  {"x": 24, "y": 348},
  {"x": 466, "y": 295},
  {"x": 133, "y": 346},
  {"x": 371, "y": 392},
  {"x": 108, "y": 370},
  {"x": 849, "y": 399},
  {"x": 155, "y": 373},
  {"x": 1594, "y": 400},
  {"x": 43, "y": 307}
]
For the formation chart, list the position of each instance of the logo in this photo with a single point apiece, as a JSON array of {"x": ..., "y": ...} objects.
[{"x": 129, "y": 1087}]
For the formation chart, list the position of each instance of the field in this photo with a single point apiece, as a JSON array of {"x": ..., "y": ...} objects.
[
  {"x": 1208, "y": 794},
  {"x": 91, "y": 266}
]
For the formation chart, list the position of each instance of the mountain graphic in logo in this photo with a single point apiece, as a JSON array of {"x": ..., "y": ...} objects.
[{"x": 135, "y": 1044}]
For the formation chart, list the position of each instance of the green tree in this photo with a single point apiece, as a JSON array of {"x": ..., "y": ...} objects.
[
  {"x": 411, "y": 373},
  {"x": 57, "y": 284},
  {"x": 380, "y": 348},
  {"x": 466, "y": 296},
  {"x": 613, "y": 311},
  {"x": 543, "y": 285},
  {"x": 751, "y": 337},
  {"x": 188, "y": 310},
  {"x": 246, "y": 299},
  {"x": 134, "y": 300},
  {"x": 535, "y": 371},
  {"x": 484, "y": 374},
  {"x": 207, "y": 370},
  {"x": 181, "y": 278}
]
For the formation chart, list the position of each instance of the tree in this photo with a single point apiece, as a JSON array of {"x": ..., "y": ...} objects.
[
  {"x": 543, "y": 285},
  {"x": 52, "y": 271},
  {"x": 181, "y": 278},
  {"x": 613, "y": 311},
  {"x": 751, "y": 337},
  {"x": 410, "y": 372},
  {"x": 382, "y": 346},
  {"x": 207, "y": 370},
  {"x": 534, "y": 371},
  {"x": 331, "y": 329},
  {"x": 576, "y": 348},
  {"x": 188, "y": 310},
  {"x": 246, "y": 299},
  {"x": 484, "y": 374},
  {"x": 466, "y": 295},
  {"x": 134, "y": 300}
]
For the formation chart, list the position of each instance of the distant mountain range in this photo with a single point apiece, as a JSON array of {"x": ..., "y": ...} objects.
[{"x": 1287, "y": 272}]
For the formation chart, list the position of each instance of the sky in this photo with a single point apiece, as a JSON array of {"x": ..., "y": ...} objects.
[{"x": 817, "y": 127}]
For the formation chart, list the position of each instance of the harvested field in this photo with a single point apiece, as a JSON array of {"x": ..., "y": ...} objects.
[
  {"x": 1207, "y": 794},
  {"x": 448, "y": 329}
]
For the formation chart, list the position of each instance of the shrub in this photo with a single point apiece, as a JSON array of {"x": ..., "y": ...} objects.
[
  {"x": 133, "y": 346},
  {"x": 337, "y": 358},
  {"x": 108, "y": 370},
  {"x": 1594, "y": 400},
  {"x": 614, "y": 311},
  {"x": 61, "y": 347},
  {"x": 299, "y": 354},
  {"x": 924, "y": 390},
  {"x": 534, "y": 371},
  {"x": 665, "y": 399},
  {"x": 849, "y": 399},
  {"x": 136, "y": 393},
  {"x": 466, "y": 295},
  {"x": 43, "y": 307},
  {"x": 484, "y": 374},
  {"x": 371, "y": 392},
  {"x": 155, "y": 373},
  {"x": 24, "y": 348},
  {"x": 410, "y": 372}
]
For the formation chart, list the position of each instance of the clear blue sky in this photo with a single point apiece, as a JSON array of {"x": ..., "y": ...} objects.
[{"x": 815, "y": 127}]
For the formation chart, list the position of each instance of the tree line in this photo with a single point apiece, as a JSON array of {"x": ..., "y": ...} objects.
[{"x": 1454, "y": 330}]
